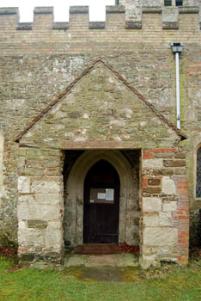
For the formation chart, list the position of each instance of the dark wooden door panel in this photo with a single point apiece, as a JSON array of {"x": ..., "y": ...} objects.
[{"x": 101, "y": 204}]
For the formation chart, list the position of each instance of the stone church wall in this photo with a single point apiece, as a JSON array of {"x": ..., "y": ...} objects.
[{"x": 38, "y": 61}]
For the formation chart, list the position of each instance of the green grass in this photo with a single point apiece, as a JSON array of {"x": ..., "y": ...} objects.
[{"x": 29, "y": 284}]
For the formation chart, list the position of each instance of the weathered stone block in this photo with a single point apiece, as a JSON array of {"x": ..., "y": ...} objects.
[
  {"x": 152, "y": 190},
  {"x": 54, "y": 238},
  {"x": 38, "y": 212},
  {"x": 168, "y": 253},
  {"x": 170, "y": 206},
  {"x": 146, "y": 261},
  {"x": 150, "y": 250},
  {"x": 31, "y": 238},
  {"x": 26, "y": 198},
  {"x": 157, "y": 236},
  {"x": 37, "y": 224},
  {"x": 180, "y": 155},
  {"x": 41, "y": 199},
  {"x": 41, "y": 237},
  {"x": 151, "y": 204},
  {"x": 180, "y": 171},
  {"x": 152, "y": 163},
  {"x": 43, "y": 186},
  {"x": 151, "y": 220},
  {"x": 165, "y": 219},
  {"x": 168, "y": 186},
  {"x": 24, "y": 184},
  {"x": 49, "y": 199},
  {"x": 154, "y": 182},
  {"x": 174, "y": 163},
  {"x": 170, "y": 17}
]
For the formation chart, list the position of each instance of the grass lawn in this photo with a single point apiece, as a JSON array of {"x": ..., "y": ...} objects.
[{"x": 166, "y": 284}]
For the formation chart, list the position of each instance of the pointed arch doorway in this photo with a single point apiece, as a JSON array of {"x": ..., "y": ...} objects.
[
  {"x": 101, "y": 204},
  {"x": 79, "y": 168}
]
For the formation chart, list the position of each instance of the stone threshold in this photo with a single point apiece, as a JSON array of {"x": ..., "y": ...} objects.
[
  {"x": 104, "y": 249},
  {"x": 108, "y": 260}
]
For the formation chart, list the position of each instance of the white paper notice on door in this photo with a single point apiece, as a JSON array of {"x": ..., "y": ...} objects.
[
  {"x": 101, "y": 196},
  {"x": 109, "y": 194}
]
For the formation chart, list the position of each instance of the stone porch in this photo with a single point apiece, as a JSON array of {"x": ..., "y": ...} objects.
[
  {"x": 163, "y": 202},
  {"x": 102, "y": 115}
]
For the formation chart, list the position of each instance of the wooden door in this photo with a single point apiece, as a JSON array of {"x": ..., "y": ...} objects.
[{"x": 101, "y": 204}]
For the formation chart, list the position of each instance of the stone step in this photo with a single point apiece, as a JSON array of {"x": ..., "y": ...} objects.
[
  {"x": 109, "y": 260},
  {"x": 101, "y": 249},
  {"x": 98, "y": 249}
]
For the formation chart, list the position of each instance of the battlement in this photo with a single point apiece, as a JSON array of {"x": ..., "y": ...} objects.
[
  {"x": 129, "y": 18},
  {"x": 156, "y": 2}
]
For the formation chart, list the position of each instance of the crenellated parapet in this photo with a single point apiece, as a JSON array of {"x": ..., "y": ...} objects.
[
  {"x": 170, "y": 14},
  {"x": 153, "y": 3},
  {"x": 132, "y": 13}
]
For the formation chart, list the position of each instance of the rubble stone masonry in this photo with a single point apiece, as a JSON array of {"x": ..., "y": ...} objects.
[{"x": 81, "y": 85}]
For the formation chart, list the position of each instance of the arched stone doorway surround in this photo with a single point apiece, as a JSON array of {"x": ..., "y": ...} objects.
[{"x": 129, "y": 197}]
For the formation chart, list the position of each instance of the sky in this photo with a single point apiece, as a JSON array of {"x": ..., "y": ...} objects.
[{"x": 97, "y": 8}]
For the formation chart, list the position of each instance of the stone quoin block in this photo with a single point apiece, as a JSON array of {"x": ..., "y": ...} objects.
[
  {"x": 170, "y": 206},
  {"x": 24, "y": 184},
  {"x": 152, "y": 163},
  {"x": 38, "y": 212},
  {"x": 151, "y": 220},
  {"x": 151, "y": 204},
  {"x": 157, "y": 236},
  {"x": 165, "y": 219},
  {"x": 168, "y": 186},
  {"x": 49, "y": 186}
]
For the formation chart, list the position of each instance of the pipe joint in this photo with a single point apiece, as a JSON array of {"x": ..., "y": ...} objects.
[{"x": 177, "y": 48}]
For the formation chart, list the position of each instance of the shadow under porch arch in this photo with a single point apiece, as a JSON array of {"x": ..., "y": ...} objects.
[{"x": 128, "y": 201}]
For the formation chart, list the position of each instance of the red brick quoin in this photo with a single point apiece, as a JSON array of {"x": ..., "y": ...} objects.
[
  {"x": 151, "y": 153},
  {"x": 151, "y": 186}
]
